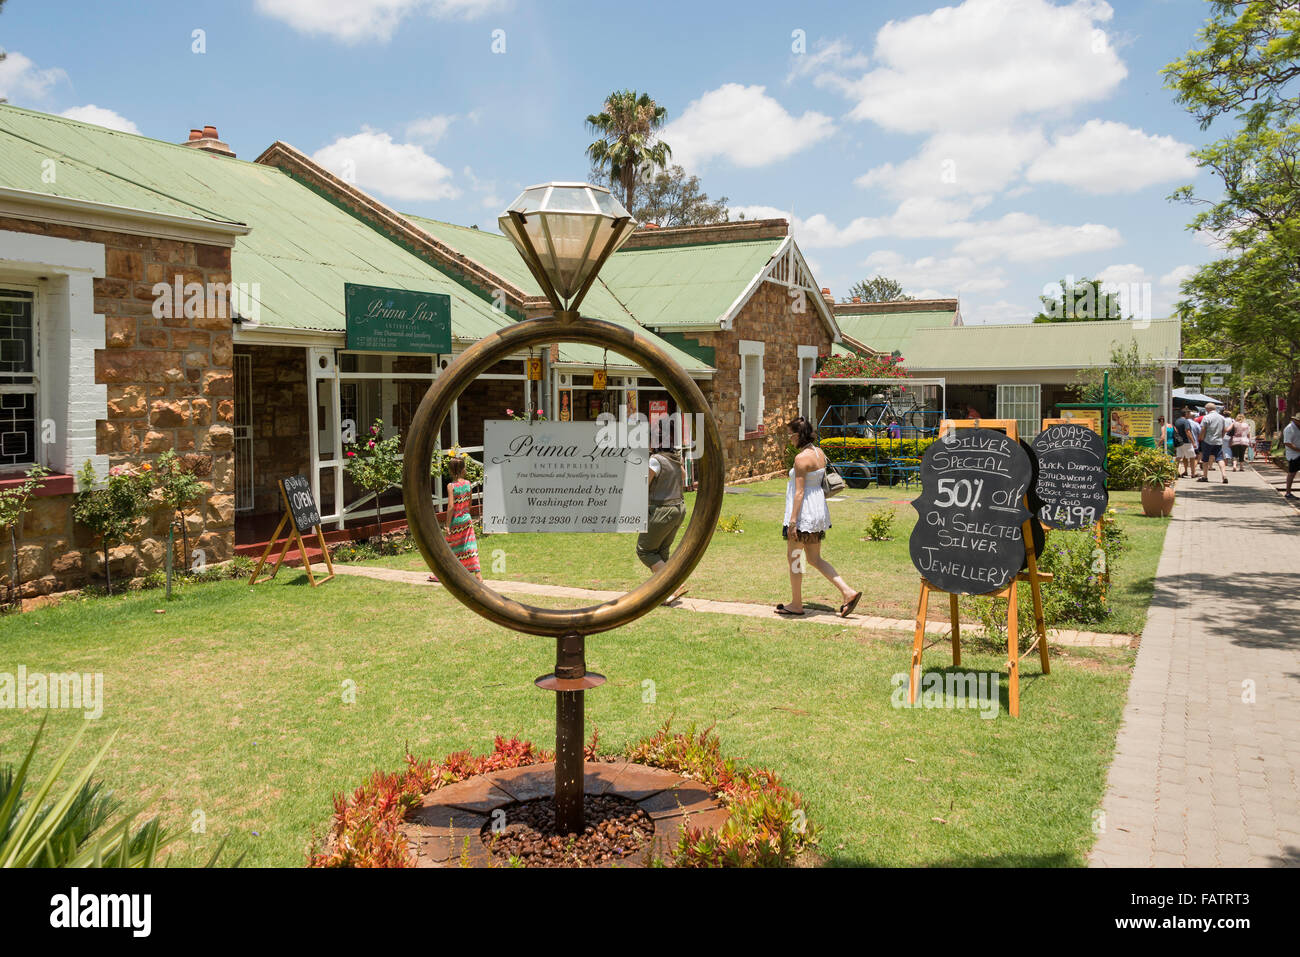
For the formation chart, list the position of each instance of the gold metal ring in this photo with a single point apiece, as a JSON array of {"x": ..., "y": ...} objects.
[{"x": 417, "y": 483}]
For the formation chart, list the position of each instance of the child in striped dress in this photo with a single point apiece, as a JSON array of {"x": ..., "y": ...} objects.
[{"x": 460, "y": 526}]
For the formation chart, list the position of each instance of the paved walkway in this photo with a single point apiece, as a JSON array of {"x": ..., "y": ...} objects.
[
  {"x": 1075, "y": 639},
  {"x": 1208, "y": 756}
]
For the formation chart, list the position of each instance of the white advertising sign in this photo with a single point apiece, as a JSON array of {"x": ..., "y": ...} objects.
[
  {"x": 1205, "y": 368},
  {"x": 1191, "y": 380},
  {"x": 564, "y": 477}
]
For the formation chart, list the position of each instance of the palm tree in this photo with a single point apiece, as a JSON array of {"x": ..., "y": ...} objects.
[{"x": 628, "y": 128}]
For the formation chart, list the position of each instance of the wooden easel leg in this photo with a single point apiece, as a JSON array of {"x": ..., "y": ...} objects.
[
  {"x": 306, "y": 561},
  {"x": 1036, "y": 590},
  {"x": 956, "y": 630},
  {"x": 1013, "y": 652},
  {"x": 914, "y": 676},
  {"x": 252, "y": 579},
  {"x": 329, "y": 562}
]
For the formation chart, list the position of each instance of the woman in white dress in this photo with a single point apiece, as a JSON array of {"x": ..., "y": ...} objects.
[{"x": 803, "y": 534}]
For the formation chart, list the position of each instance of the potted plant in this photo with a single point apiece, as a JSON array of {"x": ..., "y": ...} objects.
[{"x": 1155, "y": 473}]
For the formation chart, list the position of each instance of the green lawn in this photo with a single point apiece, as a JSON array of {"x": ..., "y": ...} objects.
[
  {"x": 230, "y": 704},
  {"x": 751, "y": 565}
]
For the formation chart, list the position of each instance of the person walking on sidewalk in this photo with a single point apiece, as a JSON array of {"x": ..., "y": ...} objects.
[
  {"x": 1243, "y": 437},
  {"x": 1185, "y": 445},
  {"x": 807, "y": 518},
  {"x": 1291, "y": 442},
  {"x": 1212, "y": 428},
  {"x": 667, "y": 477}
]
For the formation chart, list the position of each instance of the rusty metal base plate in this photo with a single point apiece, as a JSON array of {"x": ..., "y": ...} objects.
[{"x": 552, "y": 683}]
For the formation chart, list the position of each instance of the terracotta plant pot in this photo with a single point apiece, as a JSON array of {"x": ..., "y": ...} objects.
[
  {"x": 1153, "y": 501},
  {"x": 1167, "y": 500}
]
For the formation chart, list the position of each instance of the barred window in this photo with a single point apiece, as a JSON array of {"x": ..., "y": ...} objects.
[{"x": 17, "y": 378}]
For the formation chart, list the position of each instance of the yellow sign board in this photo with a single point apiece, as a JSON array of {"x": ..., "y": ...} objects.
[
  {"x": 1089, "y": 417},
  {"x": 534, "y": 368},
  {"x": 599, "y": 379},
  {"x": 1127, "y": 425}
]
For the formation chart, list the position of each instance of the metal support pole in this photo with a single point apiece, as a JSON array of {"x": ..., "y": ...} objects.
[
  {"x": 570, "y": 666},
  {"x": 569, "y": 818}
]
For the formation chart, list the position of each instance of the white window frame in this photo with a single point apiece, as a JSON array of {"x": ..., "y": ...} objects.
[
  {"x": 804, "y": 353},
  {"x": 750, "y": 348},
  {"x": 68, "y": 398},
  {"x": 1010, "y": 403},
  {"x": 33, "y": 389}
]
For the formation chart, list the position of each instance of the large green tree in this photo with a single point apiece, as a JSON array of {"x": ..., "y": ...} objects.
[
  {"x": 1246, "y": 71},
  {"x": 1247, "y": 64},
  {"x": 628, "y": 150},
  {"x": 1080, "y": 301},
  {"x": 672, "y": 198},
  {"x": 877, "y": 289}
]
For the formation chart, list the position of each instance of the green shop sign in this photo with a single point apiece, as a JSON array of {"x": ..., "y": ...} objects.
[{"x": 396, "y": 320}]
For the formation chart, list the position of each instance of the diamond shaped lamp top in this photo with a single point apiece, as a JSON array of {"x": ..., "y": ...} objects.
[{"x": 567, "y": 230}]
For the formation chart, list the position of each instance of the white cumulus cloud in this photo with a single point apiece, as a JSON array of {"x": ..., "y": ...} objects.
[
  {"x": 936, "y": 277},
  {"x": 918, "y": 217},
  {"x": 1103, "y": 156},
  {"x": 429, "y": 129},
  {"x": 354, "y": 20},
  {"x": 375, "y": 163},
  {"x": 21, "y": 79},
  {"x": 983, "y": 64},
  {"x": 743, "y": 125},
  {"x": 101, "y": 116},
  {"x": 956, "y": 163},
  {"x": 1023, "y": 237}
]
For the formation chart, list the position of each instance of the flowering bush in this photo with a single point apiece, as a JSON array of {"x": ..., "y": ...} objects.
[
  {"x": 113, "y": 511},
  {"x": 180, "y": 488},
  {"x": 14, "y": 503},
  {"x": 850, "y": 448},
  {"x": 768, "y": 826},
  {"x": 861, "y": 367},
  {"x": 538, "y": 415},
  {"x": 473, "y": 468},
  {"x": 375, "y": 464}
]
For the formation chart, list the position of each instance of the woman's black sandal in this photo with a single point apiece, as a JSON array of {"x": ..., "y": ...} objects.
[
  {"x": 847, "y": 608},
  {"x": 782, "y": 610}
]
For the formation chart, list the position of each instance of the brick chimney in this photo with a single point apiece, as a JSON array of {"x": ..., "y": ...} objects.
[
  {"x": 826, "y": 294},
  {"x": 207, "y": 140}
]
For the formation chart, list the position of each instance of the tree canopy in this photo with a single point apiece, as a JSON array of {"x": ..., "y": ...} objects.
[
  {"x": 628, "y": 149},
  {"x": 877, "y": 289},
  {"x": 1242, "y": 307},
  {"x": 672, "y": 198},
  {"x": 1080, "y": 301}
]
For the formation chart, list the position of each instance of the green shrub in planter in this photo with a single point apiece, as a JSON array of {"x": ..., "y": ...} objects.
[{"x": 855, "y": 448}]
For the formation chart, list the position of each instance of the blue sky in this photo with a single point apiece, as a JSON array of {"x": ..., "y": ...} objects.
[{"x": 980, "y": 149}]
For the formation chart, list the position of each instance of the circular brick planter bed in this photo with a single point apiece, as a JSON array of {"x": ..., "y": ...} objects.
[
  {"x": 671, "y": 798},
  {"x": 477, "y": 822}
]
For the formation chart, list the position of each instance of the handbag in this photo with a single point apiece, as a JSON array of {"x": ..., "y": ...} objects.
[{"x": 832, "y": 481}]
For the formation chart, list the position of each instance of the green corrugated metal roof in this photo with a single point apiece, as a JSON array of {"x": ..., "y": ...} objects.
[
  {"x": 1045, "y": 345},
  {"x": 301, "y": 249},
  {"x": 889, "y": 331},
  {"x": 498, "y": 255},
  {"x": 678, "y": 286}
]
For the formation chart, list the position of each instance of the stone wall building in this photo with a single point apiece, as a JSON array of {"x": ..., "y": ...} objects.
[{"x": 108, "y": 353}]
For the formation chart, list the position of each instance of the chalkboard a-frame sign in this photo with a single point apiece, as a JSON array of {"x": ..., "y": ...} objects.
[
  {"x": 968, "y": 538},
  {"x": 1071, "y": 476},
  {"x": 303, "y": 517}
]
